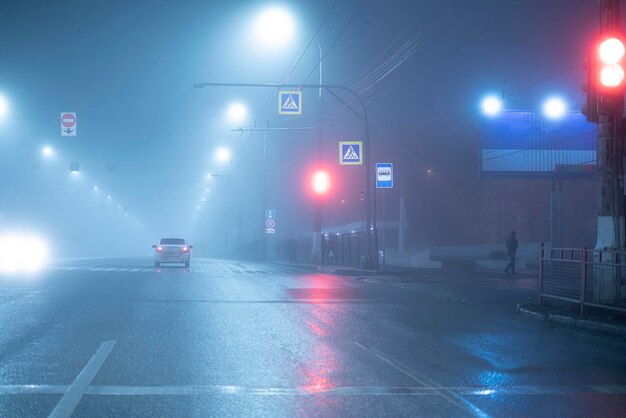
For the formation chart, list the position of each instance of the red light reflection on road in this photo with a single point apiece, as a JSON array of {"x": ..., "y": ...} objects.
[{"x": 318, "y": 373}]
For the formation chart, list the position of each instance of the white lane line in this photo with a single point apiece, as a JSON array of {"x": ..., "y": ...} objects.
[
  {"x": 314, "y": 391},
  {"x": 75, "y": 392},
  {"x": 33, "y": 389},
  {"x": 451, "y": 396}
]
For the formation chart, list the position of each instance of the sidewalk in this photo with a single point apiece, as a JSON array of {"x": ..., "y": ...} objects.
[{"x": 600, "y": 321}]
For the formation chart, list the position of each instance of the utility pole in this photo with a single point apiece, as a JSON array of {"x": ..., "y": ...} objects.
[
  {"x": 316, "y": 252},
  {"x": 610, "y": 113},
  {"x": 611, "y": 211}
]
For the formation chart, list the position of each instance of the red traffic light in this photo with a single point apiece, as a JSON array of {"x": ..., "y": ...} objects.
[
  {"x": 320, "y": 182},
  {"x": 611, "y": 70}
]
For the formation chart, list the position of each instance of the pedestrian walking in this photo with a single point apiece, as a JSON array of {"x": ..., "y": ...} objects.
[{"x": 511, "y": 249}]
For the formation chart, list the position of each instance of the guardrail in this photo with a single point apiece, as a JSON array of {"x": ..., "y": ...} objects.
[{"x": 594, "y": 278}]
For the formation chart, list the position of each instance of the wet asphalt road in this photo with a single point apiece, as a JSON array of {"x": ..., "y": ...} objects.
[{"x": 117, "y": 338}]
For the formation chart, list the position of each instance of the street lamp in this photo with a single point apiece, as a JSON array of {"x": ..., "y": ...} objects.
[
  {"x": 274, "y": 27},
  {"x": 491, "y": 105},
  {"x": 237, "y": 112},
  {"x": 4, "y": 106},
  {"x": 554, "y": 108},
  {"x": 222, "y": 155},
  {"x": 47, "y": 152}
]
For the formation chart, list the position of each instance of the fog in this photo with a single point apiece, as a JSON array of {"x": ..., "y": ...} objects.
[{"x": 146, "y": 139}]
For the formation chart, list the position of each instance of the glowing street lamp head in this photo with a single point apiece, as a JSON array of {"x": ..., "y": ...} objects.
[
  {"x": 491, "y": 105},
  {"x": 554, "y": 108},
  {"x": 4, "y": 106},
  {"x": 47, "y": 152},
  {"x": 274, "y": 27},
  {"x": 237, "y": 112},
  {"x": 222, "y": 154}
]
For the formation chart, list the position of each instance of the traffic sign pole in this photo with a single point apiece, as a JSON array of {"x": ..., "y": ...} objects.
[{"x": 384, "y": 230}]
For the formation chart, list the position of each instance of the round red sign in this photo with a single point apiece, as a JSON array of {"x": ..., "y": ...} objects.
[{"x": 68, "y": 120}]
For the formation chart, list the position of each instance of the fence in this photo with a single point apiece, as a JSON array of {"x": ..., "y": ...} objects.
[
  {"x": 593, "y": 278},
  {"x": 349, "y": 249}
]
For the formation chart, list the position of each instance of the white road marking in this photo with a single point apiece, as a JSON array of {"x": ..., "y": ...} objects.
[
  {"x": 76, "y": 390},
  {"x": 446, "y": 394},
  {"x": 305, "y": 390}
]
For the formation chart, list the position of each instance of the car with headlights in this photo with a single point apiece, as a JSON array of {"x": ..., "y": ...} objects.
[{"x": 172, "y": 250}]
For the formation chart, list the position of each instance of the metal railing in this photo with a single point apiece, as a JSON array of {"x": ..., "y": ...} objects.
[
  {"x": 348, "y": 249},
  {"x": 594, "y": 278}
]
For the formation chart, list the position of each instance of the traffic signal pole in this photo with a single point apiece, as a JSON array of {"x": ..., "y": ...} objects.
[
  {"x": 610, "y": 156},
  {"x": 610, "y": 169},
  {"x": 316, "y": 251}
]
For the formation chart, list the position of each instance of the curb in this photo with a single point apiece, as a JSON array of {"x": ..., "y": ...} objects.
[
  {"x": 347, "y": 272},
  {"x": 585, "y": 324}
]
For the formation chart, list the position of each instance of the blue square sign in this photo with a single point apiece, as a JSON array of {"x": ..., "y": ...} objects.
[
  {"x": 351, "y": 153},
  {"x": 384, "y": 176},
  {"x": 290, "y": 102}
]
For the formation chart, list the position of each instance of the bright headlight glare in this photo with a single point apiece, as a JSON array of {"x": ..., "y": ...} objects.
[{"x": 22, "y": 253}]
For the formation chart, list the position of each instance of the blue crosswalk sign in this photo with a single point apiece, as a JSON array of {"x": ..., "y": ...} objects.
[
  {"x": 290, "y": 102},
  {"x": 351, "y": 153},
  {"x": 384, "y": 176}
]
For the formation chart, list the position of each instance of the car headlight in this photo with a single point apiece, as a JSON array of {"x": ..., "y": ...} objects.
[{"x": 22, "y": 252}]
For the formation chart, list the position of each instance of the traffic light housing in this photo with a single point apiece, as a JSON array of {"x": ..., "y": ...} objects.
[
  {"x": 590, "y": 88},
  {"x": 609, "y": 56},
  {"x": 605, "y": 78}
]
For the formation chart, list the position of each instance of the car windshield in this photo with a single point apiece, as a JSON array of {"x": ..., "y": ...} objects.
[{"x": 172, "y": 241}]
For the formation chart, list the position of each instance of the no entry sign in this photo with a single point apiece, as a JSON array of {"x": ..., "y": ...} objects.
[{"x": 68, "y": 124}]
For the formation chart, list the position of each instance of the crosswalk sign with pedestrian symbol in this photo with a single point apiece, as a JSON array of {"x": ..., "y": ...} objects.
[
  {"x": 289, "y": 102},
  {"x": 350, "y": 153}
]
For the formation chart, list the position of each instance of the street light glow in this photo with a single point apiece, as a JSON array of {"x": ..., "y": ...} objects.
[
  {"x": 4, "y": 106},
  {"x": 47, "y": 152},
  {"x": 274, "y": 27},
  {"x": 222, "y": 154},
  {"x": 491, "y": 105},
  {"x": 237, "y": 112},
  {"x": 554, "y": 108}
]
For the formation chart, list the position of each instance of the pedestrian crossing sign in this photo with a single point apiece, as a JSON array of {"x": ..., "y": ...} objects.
[
  {"x": 290, "y": 102},
  {"x": 351, "y": 153}
]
